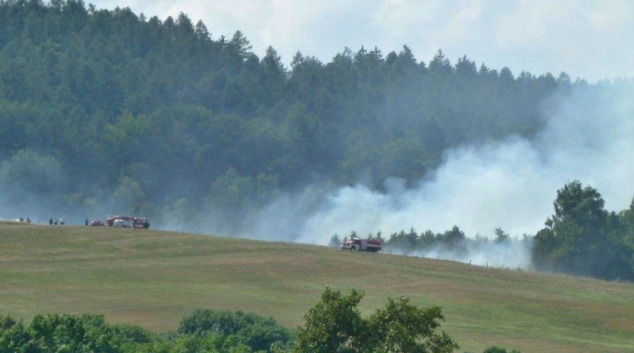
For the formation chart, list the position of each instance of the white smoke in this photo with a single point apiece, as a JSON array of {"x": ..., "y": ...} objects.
[
  {"x": 509, "y": 184},
  {"x": 512, "y": 253}
]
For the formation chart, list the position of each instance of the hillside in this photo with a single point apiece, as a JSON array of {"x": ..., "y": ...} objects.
[
  {"x": 154, "y": 278},
  {"x": 110, "y": 104}
]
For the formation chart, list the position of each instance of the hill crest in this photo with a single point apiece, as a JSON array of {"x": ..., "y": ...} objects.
[{"x": 154, "y": 278}]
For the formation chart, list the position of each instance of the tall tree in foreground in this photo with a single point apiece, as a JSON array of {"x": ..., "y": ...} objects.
[
  {"x": 335, "y": 325},
  {"x": 582, "y": 238}
]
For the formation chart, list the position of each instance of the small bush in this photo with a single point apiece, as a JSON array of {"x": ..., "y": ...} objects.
[{"x": 495, "y": 349}]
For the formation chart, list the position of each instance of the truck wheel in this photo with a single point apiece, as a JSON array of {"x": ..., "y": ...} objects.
[{"x": 353, "y": 247}]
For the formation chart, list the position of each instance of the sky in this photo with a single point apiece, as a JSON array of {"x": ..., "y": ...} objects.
[{"x": 589, "y": 39}]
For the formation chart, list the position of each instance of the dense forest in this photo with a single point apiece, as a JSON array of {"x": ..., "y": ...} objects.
[{"x": 160, "y": 116}]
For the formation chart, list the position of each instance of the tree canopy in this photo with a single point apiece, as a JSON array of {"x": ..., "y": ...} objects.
[
  {"x": 335, "y": 325},
  {"x": 583, "y": 238},
  {"x": 167, "y": 111}
]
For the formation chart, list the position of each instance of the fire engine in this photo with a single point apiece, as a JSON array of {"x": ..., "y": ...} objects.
[
  {"x": 128, "y": 222},
  {"x": 355, "y": 243}
]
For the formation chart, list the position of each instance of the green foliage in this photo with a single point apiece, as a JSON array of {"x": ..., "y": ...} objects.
[
  {"x": 251, "y": 330},
  {"x": 404, "y": 241},
  {"x": 405, "y": 158},
  {"x": 496, "y": 349},
  {"x": 335, "y": 325},
  {"x": 453, "y": 238},
  {"x": 69, "y": 333},
  {"x": 453, "y": 241},
  {"x": 203, "y": 331},
  {"x": 29, "y": 173},
  {"x": 6, "y": 322},
  {"x": 236, "y": 193},
  {"x": 500, "y": 235},
  {"x": 128, "y": 193},
  {"x": 582, "y": 238},
  {"x": 403, "y": 327}
]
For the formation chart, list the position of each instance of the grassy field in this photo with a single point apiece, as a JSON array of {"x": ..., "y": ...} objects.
[{"x": 153, "y": 279}]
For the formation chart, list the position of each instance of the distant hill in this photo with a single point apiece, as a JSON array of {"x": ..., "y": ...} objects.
[
  {"x": 154, "y": 278},
  {"x": 160, "y": 115}
]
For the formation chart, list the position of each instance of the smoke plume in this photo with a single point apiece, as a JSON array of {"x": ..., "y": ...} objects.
[{"x": 510, "y": 184}]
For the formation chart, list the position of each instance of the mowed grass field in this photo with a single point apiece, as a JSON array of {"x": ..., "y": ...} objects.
[{"x": 153, "y": 279}]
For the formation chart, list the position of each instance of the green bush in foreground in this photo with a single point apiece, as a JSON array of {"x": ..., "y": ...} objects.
[
  {"x": 203, "y": 331},
  {"x": 332, "y": 325},
  {"x": 495, "y": 349},
  {"x": 255, "y": 331},
  {"x": 335, "y": 325},
  {"x": 68, "y": 333}
]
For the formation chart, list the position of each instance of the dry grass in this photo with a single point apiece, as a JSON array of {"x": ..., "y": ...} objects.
[{"x": 154, "y": 278}]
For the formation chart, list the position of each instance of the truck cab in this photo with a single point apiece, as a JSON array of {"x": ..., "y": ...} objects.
[{"x": 362, "y": 244}]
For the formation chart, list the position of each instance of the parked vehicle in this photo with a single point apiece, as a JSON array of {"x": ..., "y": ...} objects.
[
  {"x": 96, "y": 223},
  {"x": 120, "y": 223},
  {"x": 128, "y": 222},
  {"x": 359, "y": 244}
]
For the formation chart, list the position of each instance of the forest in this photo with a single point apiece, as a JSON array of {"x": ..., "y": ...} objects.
[
  {"x": 111, "y": 111},
  {"x": 119, "y": 109}
]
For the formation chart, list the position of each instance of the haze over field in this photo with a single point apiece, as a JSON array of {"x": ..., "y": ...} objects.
[
  {"x": 587, "y": 38},
  {"x": 134, "y": 115},
  {"x": 509, "y": 184}
]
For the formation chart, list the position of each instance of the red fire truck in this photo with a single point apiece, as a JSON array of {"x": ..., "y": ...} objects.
[{"x": 355, "y": 243}]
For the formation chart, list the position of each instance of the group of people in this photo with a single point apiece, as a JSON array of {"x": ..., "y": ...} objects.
[
  {"x": 27, "y": 220},
  {"x": 55, "y": 221}
]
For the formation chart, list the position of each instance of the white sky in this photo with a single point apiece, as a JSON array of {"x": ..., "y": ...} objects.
[{"x": 591, "y": 39}]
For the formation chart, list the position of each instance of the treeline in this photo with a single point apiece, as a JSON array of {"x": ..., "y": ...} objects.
[
  {"x": 333, "y": 325},
  {"x": 452, "y": 243},
  {"x": 161, "y": 116},
  {"x": 581, "y": 238}
]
